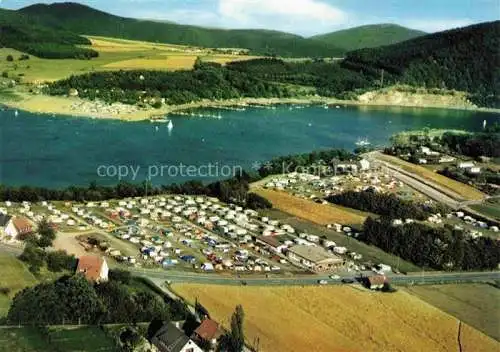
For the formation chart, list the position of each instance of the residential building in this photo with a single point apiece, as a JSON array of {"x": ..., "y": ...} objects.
[
  {"x": 94, "y": 268},
  {"x": 375, "y": 282},
  {"x": 170, "y": 339},
  {"x": 314, "y": 257},
  {"x": 474, "y": 170},
  {"x": 17, "y": 226},
  {"x": 465, "y": 165},
  {"x": 208, "y": 332}
]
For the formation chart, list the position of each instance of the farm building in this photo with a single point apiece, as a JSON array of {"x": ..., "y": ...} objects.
[
  {"x": 171, "y": 339},
  {"x": 93, "y": 268},
  {"x": 271, "y": 243},
  {"x": 375, "y": 282},
  {"x": 18, "y": 226},
  {"x": 208, "y": 331},
  {"x": 314, "y": 257}
]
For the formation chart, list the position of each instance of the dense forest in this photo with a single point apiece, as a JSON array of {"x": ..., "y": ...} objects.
[
  {"x": 369, "y": 36},
  {"x": 464, "y": 59},
  {"x": 20, "y": 32},
  {"x": 488, "y": 181},
  {"x": 437, "y": 248},
  {"x": 74, "y": 300},
  {"x": 486, "y": 143},
  {"x": 233, "y": 190},
  {"x": 205, "y": 81},
  {"x": 328, "y": 78},
  {"x": 289, "y": 163},
  {"x": 82, "y": 19},
  {"x": 383, "y": 204}
]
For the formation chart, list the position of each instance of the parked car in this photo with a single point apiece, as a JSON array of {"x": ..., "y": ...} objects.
[
  {"x": 322, "y": 282},
  {"x": 347, "y": 281},
  {"x": 334, "y": 277}
]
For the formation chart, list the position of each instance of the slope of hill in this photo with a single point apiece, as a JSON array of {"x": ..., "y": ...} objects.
[
  {"x": 19, "y": 31},
  {"x": 86, "y": 20},
  {"x": 369, "y": 36},
  {"x": 464, "y": 59}
]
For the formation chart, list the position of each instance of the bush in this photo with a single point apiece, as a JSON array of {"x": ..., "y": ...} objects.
[
  {"x": 157, "y": 104},
  {"x": 24, "y": 57},
  {"x": 34, "y": 257},
  {"x": 5, "y": 74},
  {"x": 61, "y": 260},
  {"x": 122, "y": 276},
  {"x": 10, "y": 58}
]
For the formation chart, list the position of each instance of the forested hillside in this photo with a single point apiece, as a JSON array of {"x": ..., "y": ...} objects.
[
  {"x": 254, "y": 78},
  {"x": 85, "y": 20},
  {"x": 369, "y": 36},
  {"x": 21, "y": 32},
  {"x": 464, "y": 59}
]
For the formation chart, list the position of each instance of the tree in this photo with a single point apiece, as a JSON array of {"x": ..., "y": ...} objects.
[
  {"x": 122, "y": 276},
  {"x": 5, "y": 74},
  {"x": 10, "y": 58},
  {"x": 47, "y": 234},
  {"x": 71, "y": 299},
  {"x": 33, "y": 256},
  {"x": 255, "y": 201},
  {"x": 236, "y": 338},
  {"x": 60, "y": 260},
  {"x": 129, "y": 339}
]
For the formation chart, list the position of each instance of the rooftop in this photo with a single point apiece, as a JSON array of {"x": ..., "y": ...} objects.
[
  {"x": 90, "y": 266},
  {"x": 21, "y": 223},
  {"x": 314, "y": 253},
  {"x": 270, "y": 240},
  {"x": 208, "y": 330},
  {"x": 4, "y": 219},
  {"x": 169, "y": 339}
]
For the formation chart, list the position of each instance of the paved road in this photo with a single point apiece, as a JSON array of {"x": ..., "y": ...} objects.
[
  {"x": 414, "y": 278},
  {"x": 11, "y": 249},
  {"x": 424, "y": 186}
]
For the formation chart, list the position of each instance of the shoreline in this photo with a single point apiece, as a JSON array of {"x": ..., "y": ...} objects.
[{"x": 77, "y": 107}]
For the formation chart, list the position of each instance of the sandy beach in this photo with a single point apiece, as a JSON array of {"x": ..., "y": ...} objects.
[{"x": 73, "y": 106}]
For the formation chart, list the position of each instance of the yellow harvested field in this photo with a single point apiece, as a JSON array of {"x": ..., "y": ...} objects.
[
  {"x": 104, "y": 44},
  {"x": 318, "y": 213},
  {"x": 329, "y": 319},
  {"x": 467, "y": 192},
  {"x": 177, "y": 62}
]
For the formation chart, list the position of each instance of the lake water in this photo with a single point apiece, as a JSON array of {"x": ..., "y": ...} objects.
[{"x": 62, "y": 151}]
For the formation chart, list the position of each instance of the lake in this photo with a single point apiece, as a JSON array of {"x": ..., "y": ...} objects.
[{"x": 58, "y": 151}]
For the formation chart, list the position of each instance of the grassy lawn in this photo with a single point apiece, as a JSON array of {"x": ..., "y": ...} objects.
[
  {"x": 14, "y": 276},
  {"x": 325, "y": 319},
  {"x": 488, "y": 208},
  {"x": 475, "y": 304},
  {"x": 321, "y": 214},
  {"x": 452, "y": 186},
  {"x": 81, "y": 339}
]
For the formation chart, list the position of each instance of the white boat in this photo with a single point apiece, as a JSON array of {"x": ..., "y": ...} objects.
[
  {"x": 362, "y": 142},
  {"x": 325, "y": 106},
  {"x": 484, "y": 124},
  {"x": 16, "y": 113},
  {"x": 156, "y": 128},
  {"x": 170, "y": 125}
]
